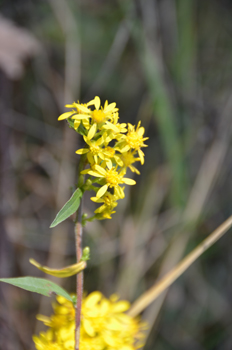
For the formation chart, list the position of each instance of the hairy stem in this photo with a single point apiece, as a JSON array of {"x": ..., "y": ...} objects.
[{"x": 80, "y": 276}]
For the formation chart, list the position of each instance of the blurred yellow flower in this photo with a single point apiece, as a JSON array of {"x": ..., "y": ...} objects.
[
  {"x": 45, "y": 341},
  {"x": 104, "y": 326},
  {"x": 128, "y": 159},
  {"x": 105, "y": 210}
]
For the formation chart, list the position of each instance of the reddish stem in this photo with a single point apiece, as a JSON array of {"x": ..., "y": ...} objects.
[{"x": 78, "y": 235}]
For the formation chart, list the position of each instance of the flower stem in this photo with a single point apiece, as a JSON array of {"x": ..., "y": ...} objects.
[
  {"x": 78, "y": 239},
  {"x": 80, "y": 276}
]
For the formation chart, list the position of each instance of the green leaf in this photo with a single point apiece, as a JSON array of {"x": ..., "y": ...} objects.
[
  {"x": 69, "y": 208},
  {"x": 70, "y": 123},
  {"x": 81, "y": 130},
  {"x": 37, "y": 285}
]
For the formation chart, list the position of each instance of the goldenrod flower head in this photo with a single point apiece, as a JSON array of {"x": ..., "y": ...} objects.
[
  {"x": 77, "y": 114},
  {"x": 128, "y": 159},
  {"x": 112, "y": 178},
  {"x": 104, "y": 326},
  {"x": 135, "y": 136},
  {"x": 133, "y": 140},
  {"x": 115, "y": 128},
  {"x": 105, "y": 210},
  {"x": 94, "y": 150},
  {"x": 98, "y": 116},
  {"x": 110, "y": 149}
]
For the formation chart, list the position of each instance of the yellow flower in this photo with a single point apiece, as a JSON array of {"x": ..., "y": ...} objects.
[
  {"x": 113, "y": 179},
  {"x": 84, "y": 117},
  {"x": 64, "y": 314},
  {"x": 133, "y": 140},
  {"x": 95, "y": 150},
  {"x": 115, "y": 128},
  {"x": 110, "y": 156},
  {"x": 111, "y": 148},
  {"x": 128, "y": 159},
  {"x": 105, "y": 210},
  {"x": 104, "y": 326},
  {"x": 98, "y": 115},
  {"x": 45, "y": 341}
]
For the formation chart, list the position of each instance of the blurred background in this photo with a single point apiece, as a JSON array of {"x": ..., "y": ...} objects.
[{"x": 167, "y": 63}]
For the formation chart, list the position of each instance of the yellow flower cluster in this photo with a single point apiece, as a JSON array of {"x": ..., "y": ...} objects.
[
  {"x": 104, "y": 326},
  {"x": 111, "y": 148}
]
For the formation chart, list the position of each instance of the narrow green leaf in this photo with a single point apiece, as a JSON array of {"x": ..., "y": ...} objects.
[
  {"x": 81, "y": 130},
  {"x": 37, "y": 285},
  {"x": 69, "y": 208}
]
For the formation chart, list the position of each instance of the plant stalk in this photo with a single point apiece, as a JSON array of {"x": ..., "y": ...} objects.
[
  {"x": 80, "y": 276},
  {"x": 78, "y": 239}
]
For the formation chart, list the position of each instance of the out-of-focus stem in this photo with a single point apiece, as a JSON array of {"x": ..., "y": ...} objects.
[
  {"x": 151, "y": 294},
  {"x": 80, "y": 276}
]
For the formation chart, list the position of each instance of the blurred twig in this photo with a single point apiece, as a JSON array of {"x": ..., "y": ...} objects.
[
  {"x": 207, "y": 175},
  {"x": 151, "y": 294}
]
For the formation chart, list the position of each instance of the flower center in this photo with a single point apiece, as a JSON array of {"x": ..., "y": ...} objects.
[
  {"x": 110, "y": 151},
  {"x": 113, "y": 178},
  {"x": 134, "y": 140},
  {"x": 98, "y": 116},
  {"x": 94, "y": 149},
  {"x": 127, "y": 159},
  {"x": 108, "y": 199}
]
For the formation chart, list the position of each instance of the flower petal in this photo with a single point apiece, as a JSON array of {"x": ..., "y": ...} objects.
[
  {"x": 97, "y": 102},
  {"x": 76, "y": 124},
  {"x": 141, "y": 131},
  {"x": 141, "y": 156},
  {"x": 98, "y": 200},
  {"x": 93, "y": 173},
  {"x": 66, "y": 115},
  {"x": 121, "y": 306},
  {"x": 92, "y": 131},
  {"x": 102, "y": 191},
  {"x": 129, "y": 181},
  {"x": 82, "y": 151},
  {"x": 92, "y": 299},
  {"x": 100, "y": 170},
  {"x": 70, "y": 106},
  {"x": 110, "y": 107},
  {"x": 88, "y": 327},
  {"x": 80, "y": 116},
  {"x": 83, "y": 108},
  {"x": 124, "y": 149},
  {"x": 90, "y": 103}
]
